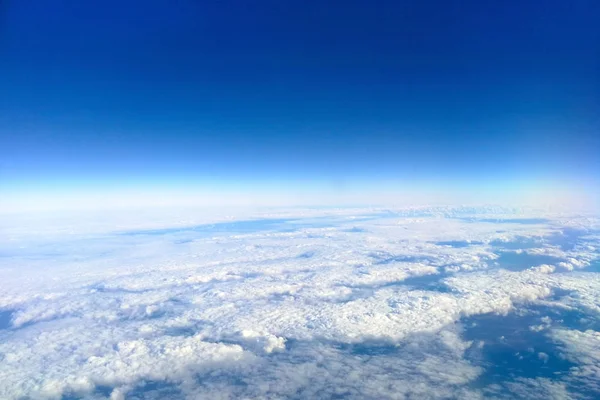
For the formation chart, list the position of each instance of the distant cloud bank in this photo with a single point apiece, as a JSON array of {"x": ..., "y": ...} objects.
[{"x": 301, "y": 302}]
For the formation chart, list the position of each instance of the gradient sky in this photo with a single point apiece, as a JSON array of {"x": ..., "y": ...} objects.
[{"x": 237, "y": 94}]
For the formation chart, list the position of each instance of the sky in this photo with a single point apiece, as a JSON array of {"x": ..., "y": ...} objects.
[{"x": 325, "y": 102}]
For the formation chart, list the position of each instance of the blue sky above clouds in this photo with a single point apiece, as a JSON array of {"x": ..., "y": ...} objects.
[{"x": 274, "y": 98}]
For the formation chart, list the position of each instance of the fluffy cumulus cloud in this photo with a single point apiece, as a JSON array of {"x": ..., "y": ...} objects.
[{"x": 353, "y": 303}]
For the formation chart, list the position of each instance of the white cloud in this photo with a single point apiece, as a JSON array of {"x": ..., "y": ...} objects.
[
  {"x": 527, "y": 388},
  {"x": 582, "y": 348},
  {"x": 296, "y": 307}
]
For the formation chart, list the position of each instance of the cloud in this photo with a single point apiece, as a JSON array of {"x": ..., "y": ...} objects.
[
  {"x": 362, "y": 303},
  {"x": 527, "y": 388},
  {"x": 582, "y": 348}
]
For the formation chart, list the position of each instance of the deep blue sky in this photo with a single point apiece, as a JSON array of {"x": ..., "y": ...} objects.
[{"x": 196, "y": 92}]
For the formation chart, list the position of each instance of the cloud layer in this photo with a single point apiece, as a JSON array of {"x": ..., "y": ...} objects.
[{"x": 358, "y": 303}]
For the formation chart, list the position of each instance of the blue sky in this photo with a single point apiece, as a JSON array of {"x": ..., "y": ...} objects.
[{"x": 232, "y": 96}]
